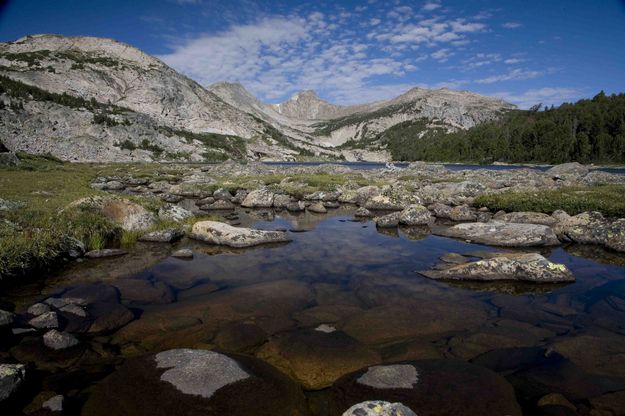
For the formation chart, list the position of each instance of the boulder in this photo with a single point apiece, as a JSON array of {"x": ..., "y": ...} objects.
[
  {"x": 59, "y": 340},
  {"x": 45, "y": 321},
  {"x": 220, "y": 204},
  {"x": 195, "y": 382},
  {"x": 378, "y": 408},
  {"x": 222, "y": 194},
  {"x": 382, "y": 203},
  {"x": 296, "y": 206},
  {"x": 281, "y": 201},
  {"x": 440, "y": 210},
  {"x": 38, "y": 309},
  {"x": 174, "y": 213},
  {"x": 415, "y": 215},
  {"x": 524, "y": 267},
  {"x": 259, "y": 198},
  {"x": 223, "y": 234},
  {"x": 54, "y": 404},
  {"x": 171, "y": 198},
  {"x": 388, "y": 221},
  {"x": 429, "y": 387},
  {"x": 462, "y": 213},
  {"x": 503, "y": 234},
  {"x": 363, "y": 212},
  {"x": 12, "y": 376},
  {"x": 572, "y": 168},
  {"x": 6, "y": 318},
  {"x": 317, "y": 208},
  {"x": 163, "y": 236},
  {"x": 592, "y": 228}
]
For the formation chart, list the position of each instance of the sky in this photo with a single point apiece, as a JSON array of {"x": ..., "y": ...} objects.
[{"x": 524, "y": 51}]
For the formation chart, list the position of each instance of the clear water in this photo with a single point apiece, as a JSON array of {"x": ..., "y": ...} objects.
[{"x": 348, "y": 275}]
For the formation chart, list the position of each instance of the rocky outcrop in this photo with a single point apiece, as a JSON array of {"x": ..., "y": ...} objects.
[
  {"x": 502, "y": 234},
  {"x": 213, "y": 232},
  {"x": 522, "y": 267}
]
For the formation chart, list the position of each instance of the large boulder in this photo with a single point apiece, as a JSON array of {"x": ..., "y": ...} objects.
[
  {"x": 526, "y": 267},
  {"x": 195, "y": 382},
  {"x": 259, "y": 198},
  {"x": 214, "y": 232},
  {"x": 503, "y": 234},
  {"x": 388, "y": 220},
  {"x": 429, "y": 387},
  {"x": 592, "y": 228}
]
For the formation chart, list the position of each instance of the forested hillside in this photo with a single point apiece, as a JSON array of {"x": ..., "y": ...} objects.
[{"x": 586, "y": 131}]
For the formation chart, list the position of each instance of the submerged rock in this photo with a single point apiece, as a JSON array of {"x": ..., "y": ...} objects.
[
  {"x": 183, "y": 253},
  {"x": 223, "y": 234},
  {"x": 526, "y": 267},
  {"x": 44, "y": 321},
  {"x": 503, "y": 234},
  {"x": 59, "y": 340},
  {"x": 107, "y": 252},
  {"x": 195, "y": 382},
  {"x": 11, "y": 378},
  {"x": 6, "y": 318},
  {"x": 430, "y": 387},
  {"x": 378, "y": 408}
]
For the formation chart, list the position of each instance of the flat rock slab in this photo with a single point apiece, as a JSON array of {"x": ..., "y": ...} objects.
[
  {"x": 223, "y": 234},
  {"x": 396, "y": 376},
  {"x": 502, "y": 234},
  {"x": 525, "y": 267},
  {"x": 59, "y": 340},
  {"x": 163, "y": 236}
]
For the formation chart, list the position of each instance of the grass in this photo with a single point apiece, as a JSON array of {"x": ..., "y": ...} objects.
[{"x": 607, "y": 199}]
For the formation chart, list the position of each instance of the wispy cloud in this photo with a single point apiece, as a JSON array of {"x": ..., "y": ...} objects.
[
  {"x": 511, "y": 25},
  {"x": 515, "y": 74},
  {"x": 430, "y": 6}
]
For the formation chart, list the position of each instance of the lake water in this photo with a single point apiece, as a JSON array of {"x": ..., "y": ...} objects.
[{"x": 346, "y": 276}]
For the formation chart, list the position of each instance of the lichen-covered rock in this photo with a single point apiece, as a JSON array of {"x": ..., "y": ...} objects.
[
  {"x": 127, "y": 214},
  {"x": 174, "y": 213},
  {"x": 45, "y": 321},
  {"x": 281, "y": 201},
  {"x": 223, "y": 234},
  {"x": 526, "y": 218},
  {"x": 12, "y": 376},
  {"x": 317, "y": 208},
  {"x": 259, "y": 198},
  {"x": 571, "y": 168},
  {"x": 440, "y": 210},
  {"x": 592, "y": 228},
  {"x": 526, "y": 267},
  {"x": 462, "y": 213},
  {"x": 363, "y": 212},
  {"x": 388, "y": 220},
  {"x": 415, "y": 215},
  {"x": 382, "y": 203},
  {"x": 503, "y": 234},
  {"x": 59, "y": 340},
  {"x": 378, "y": 408},
  {"x": 220, "y": 204}
]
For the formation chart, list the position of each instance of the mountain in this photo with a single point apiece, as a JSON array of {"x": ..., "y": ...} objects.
[
  {"x": 94, "y": 99},
  {"x": 127, "y": 81}
]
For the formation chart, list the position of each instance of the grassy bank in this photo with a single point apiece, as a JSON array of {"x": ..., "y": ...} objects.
[{"x": 608, "y": 199}]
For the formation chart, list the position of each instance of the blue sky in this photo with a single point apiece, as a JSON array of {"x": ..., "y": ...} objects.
[{"x": 526, "y": 52}]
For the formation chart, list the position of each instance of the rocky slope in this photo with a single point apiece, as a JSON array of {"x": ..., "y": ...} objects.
[
  {"x": 107, "y": 72},
  {"x": 94, "y": 99}
]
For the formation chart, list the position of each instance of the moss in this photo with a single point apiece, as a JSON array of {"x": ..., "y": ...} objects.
[{"x": 607, "y": 199}]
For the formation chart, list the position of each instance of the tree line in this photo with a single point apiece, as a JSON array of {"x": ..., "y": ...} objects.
[{"x": 588, "y": 131}]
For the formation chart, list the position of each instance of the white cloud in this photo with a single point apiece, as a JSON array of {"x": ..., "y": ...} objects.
[
  {"x": 429, "y": 6},
  {"x": 515, "y": 74},
  {"x": 512, "y": 61},
  {"x": 511, "y": 25},
  {"x": 442, "y": 55},
  {"x": 546, "y": 96}
]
